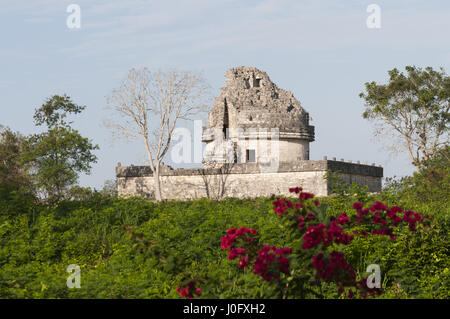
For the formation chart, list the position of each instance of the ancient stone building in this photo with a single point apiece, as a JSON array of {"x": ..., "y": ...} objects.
[
  {"x": 246, "y": 115},
  {"x": 257, "y": 144}
]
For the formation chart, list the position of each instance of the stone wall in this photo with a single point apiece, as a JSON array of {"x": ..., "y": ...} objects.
[{"x": 244, "y": 180}]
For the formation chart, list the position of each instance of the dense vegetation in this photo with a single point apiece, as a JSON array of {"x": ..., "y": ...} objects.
[{"x": 135, "y": 248}]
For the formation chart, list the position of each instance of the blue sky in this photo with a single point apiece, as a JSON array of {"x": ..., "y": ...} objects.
[{"x": 322, "y": 51}]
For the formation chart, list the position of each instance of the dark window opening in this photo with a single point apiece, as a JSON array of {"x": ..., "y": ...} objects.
[
  {"x": 247, "y": 83},
  {"x": 225, "y": 119},
  {"x": 256, "y": 83},
  {"x": 251, "y": 158}
]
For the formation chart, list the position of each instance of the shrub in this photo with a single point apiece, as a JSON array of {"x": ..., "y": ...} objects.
[{"x": 313, "y": 259}]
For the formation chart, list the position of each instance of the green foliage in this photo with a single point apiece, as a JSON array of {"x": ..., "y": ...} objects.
[
  {"x": 16, "y": 189},
  {"x": 427, "y": 190},
  {"x": 135, "y": 248},
  {"x": 104, "y": 239},
  {"x": 415, "y": 106},
  {"x": 343, "y": 194},
  {"x": 61, "y": 153},
  {"x": 55, "y": 109},
  {"x": 13, "y": 173}
]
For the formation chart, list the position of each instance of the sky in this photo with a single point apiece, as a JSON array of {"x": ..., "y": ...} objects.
[{"x": 321, "y": 51}]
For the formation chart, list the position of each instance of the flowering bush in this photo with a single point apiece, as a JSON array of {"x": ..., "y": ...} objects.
[
  {"x": 190, "y": 289},
  {"x": 316, "y": 258},
  {"x": 240, "y": 244},
  {"x": 271, "y": 262}
]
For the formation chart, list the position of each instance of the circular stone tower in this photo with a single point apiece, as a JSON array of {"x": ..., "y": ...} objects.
[{"x": 254, "y": 121}]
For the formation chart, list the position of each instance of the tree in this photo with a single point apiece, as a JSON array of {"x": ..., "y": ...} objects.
[
  {"x": 215, "y": 179},
  {"x": 150, "y": 104},
  {"x": 110, "y": 188},
  {"x": 61, "y": 153},
  {"x": 14, "y": 171},
  {"x": 412, "y": 107},
  {"x": 432, "y": 182}
]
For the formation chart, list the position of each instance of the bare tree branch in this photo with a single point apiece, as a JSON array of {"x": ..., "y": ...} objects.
[{"x": 148, "y": 106}]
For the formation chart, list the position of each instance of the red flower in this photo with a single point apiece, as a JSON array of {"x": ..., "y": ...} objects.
[
  {"x": 343, "y": 219},
  {"x": 334, "y": 269},
  {"x": 310, "y": 215},
  {"x": 318, "y": 262},
  {"x": 295, "y": 190},
  {"x": 305, "y": 196},
  {"x": 271, "y": 261},
  {"x": 302, "y": 222},
  {"x": 243, "y": 263},
  {"x": 280, "y": 206},
  {"x": 313, "y": 236},
  {"x": 189, "y": 289},
  {"x": 378, "y": 206},
  {"x": 234, "y": 239},
  {"x": 362, "y": 286}
]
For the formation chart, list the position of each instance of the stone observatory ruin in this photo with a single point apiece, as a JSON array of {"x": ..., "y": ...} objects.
[
  {"x": 254, "y": 121},
  {"x": 257, "y": 144}
]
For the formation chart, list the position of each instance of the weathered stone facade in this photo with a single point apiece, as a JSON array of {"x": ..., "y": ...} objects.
[
  {"x": 249, "y": 115},
  {"x": 245, "y": 180},
  {"x": 257, "y": 144}
]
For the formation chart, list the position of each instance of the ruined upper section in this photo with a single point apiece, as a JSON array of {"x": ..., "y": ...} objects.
[{"x": 251, "y": 100}]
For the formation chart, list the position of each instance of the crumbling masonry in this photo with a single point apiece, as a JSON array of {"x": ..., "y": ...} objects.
[{"x": 257, "y": 144}]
